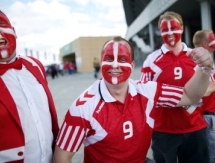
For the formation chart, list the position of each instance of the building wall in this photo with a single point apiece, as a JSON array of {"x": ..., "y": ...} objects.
[{"x": 85, "y": 50}]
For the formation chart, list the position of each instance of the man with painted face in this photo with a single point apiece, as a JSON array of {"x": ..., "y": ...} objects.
[
  {"x": 113, "y": 116},
  {"x": 206, "y": 39},
  {"x": 28, "y": 119},
  {"x": 178, "y": 136}
]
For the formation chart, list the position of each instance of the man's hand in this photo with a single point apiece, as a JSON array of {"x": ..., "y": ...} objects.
[{"x": 202, "y": 58}]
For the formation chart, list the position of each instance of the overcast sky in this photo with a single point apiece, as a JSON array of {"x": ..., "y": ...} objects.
[{"x": 48, "y": 25}]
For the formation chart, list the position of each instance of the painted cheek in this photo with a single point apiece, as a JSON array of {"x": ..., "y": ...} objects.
[
  {"x": 165, "y": 39},
  {"x": 176, "y": 36},
  {"x": 126, "y": 74},
  {"x": 212, "y": 41},
  {"x": 105, "y": 74},
  {"x": 10, "y": 47}
]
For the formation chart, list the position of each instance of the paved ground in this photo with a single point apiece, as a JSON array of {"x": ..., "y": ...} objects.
[{"x": 67, "y": 88}]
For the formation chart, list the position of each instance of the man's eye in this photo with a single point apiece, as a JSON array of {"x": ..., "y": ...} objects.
[
  {"x": 2, "y": 24},
  {"x": 164, "y": 30},
  {"x": 122, "y": 60},
  {"x": 109, "y": 59},
  {"x": 174, "y": 29}
]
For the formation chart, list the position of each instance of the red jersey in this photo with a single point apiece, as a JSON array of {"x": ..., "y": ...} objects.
[
  {"x": 110, "y": 130},
  {"x": 163, "y": 66}
]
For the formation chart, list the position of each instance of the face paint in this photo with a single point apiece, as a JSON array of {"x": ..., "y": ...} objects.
[
  {"x": 116, "y": 62},
  {"x": 211, "y": 39},
  {"x": 171, "y": 32},
  {"x": 7, "y": 38}
]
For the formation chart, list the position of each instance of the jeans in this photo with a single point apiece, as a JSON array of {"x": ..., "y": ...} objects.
[
  {"x": 180, "y": 148},
  {"x": 210, "y": 119}
]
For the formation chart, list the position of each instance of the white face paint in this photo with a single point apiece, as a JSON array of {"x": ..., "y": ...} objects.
[
  {"x": 4, "y": 54},
  {"x": 114, "y": 80},
  {"x": 115, "y": 53},
  {"x": 211, "y": 39},
  {"x": 8, "y": 31},
  {"x": 211, "y": 43}
]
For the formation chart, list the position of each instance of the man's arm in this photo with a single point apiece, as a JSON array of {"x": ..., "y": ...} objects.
[
  {"x": 61, "y": 156},
  {"x": 196, "y": 87}
]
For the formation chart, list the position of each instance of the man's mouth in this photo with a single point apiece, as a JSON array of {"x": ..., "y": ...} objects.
[
  {"x": 171, "y": 38},
  {"x": 115, "y": 73},
  {"x": 3, "y": 42}
]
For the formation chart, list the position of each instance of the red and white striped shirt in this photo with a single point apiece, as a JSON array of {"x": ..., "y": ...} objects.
[{"x": 110, "y": 130}]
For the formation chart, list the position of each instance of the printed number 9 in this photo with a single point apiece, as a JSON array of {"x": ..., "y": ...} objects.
[
  {"x": 128, "y": 129},
  {"x": 178, "y": 72}
]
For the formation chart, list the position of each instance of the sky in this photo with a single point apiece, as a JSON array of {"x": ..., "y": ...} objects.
[{"x": 45, "y": 26}]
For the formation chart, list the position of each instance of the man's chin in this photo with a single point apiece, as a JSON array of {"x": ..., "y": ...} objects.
[{"x": 7, "y": 58}]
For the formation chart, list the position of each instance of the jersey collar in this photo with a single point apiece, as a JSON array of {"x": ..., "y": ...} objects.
[
  {"x": 109, "y": 98},
  {"x": 165, "y": 50}
]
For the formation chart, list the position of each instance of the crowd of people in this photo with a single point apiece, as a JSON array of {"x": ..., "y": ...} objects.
[
  {"x": 61, "y": 69},
  {"x": 171, "y": 107}
]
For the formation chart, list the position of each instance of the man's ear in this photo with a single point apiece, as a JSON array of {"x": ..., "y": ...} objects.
[
  {"x": 133, "y": 65},
  {"x": 204, "y": 44},
  {"x": 182, "y": 28}
]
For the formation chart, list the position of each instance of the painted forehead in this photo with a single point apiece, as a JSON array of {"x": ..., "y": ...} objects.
[
  {"x": 123, "y": 47},
  {"x": 168, "y": 24},
  {"x": 4, "y": 20}
]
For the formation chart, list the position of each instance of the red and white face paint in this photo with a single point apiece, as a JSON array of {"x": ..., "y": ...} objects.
[
  {"x": 7, "y": 38},
  {"x": 211, "y": 39},
  {"x": 116, "y": 62},
  {"x": 171, "y": 31}
]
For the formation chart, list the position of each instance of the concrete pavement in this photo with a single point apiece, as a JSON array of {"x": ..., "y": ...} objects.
[{"x": 65, "y": 89}]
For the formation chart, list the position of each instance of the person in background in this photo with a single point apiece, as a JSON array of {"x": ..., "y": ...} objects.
[
  {"x": 113, "y": 116},
  {"x": 61, "y": 69},
  {"x": 28, "y": 119},
  {"x": 66, "y": 67},
  {"x": 53, "y": 71},
  {"x": 206, "y": 39},
  {"x": 96, "y": 66},
  {"x": 178, "y": 136},
  {"x": 71, "y": 68}
]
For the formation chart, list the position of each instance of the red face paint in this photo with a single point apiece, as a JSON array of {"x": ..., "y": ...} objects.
[
  {"x": 7, "y": 38},
  {"x": 171, "y": 31},
  {"x": 116, "y": 62},
  {"x": 211, "y": 39}
]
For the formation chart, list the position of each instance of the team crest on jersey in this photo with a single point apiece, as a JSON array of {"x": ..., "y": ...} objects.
[{"x": 82, "y": 100}]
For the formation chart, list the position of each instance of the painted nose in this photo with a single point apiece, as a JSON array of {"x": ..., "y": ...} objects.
[{"x": 170, "y": 33}]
